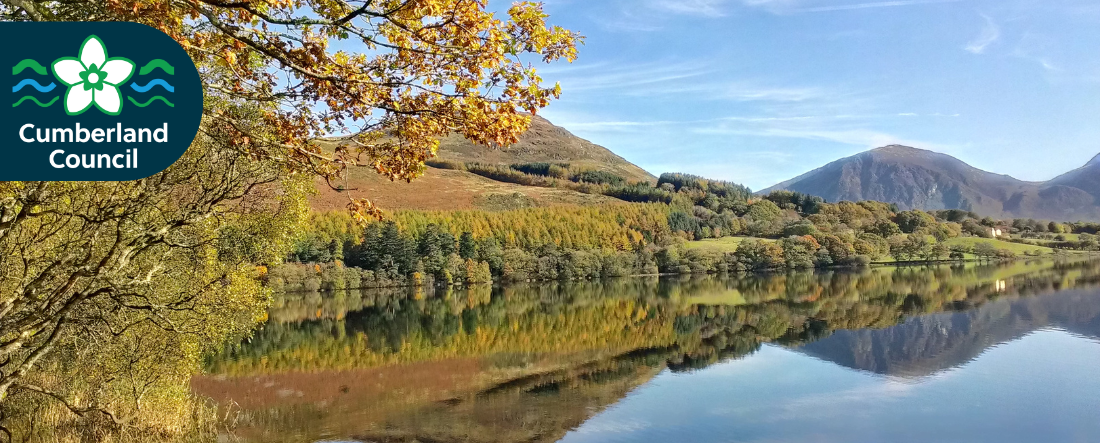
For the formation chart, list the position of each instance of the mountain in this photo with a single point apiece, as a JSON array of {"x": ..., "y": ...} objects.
[
  {"x": 1085, "y": 178},
  {"x": 920, "y": 179},
  {"x": 446, "y": 189},
  {"x": 544, "y": 142}
]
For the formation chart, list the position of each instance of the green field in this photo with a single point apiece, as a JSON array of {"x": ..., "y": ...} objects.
[
  {"x": 729, "y": 244},
  {"x": 1069, "y": 237},
  {"x": 971, "y": 242},
  {"x": 1016, "y": 248},
  {"x": 724, "y": 244}
]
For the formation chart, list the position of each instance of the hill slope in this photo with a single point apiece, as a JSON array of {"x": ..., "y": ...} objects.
[
  {"x": 919, "y": 179},
  {"x": 544, "y": 142},
  {"x": 1085, "y": 178},
  {"x": 442, "y": 189},
  {"x": 446, "y": 190}
]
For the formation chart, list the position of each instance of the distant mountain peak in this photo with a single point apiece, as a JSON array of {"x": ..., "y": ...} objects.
[
  {"x": 547, "y": 143},
  {"x": 916, "y": 178},
  {"x": 897, "y": 148},
  {"x": 909, "y": 151},
  {"x": 1094, "y": 162}
]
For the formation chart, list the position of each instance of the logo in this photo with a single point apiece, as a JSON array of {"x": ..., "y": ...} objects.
[
  {"x": 96, "y": 101},
  {"x": 93, "y": 78}
]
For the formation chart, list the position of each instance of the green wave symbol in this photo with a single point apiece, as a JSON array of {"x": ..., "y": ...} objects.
[
  {"x": 28, "y": 64},
  {"x": 155, "y": 98},
  {"x": 35, "y": 100},
  {"x": 157, "y": 63}
]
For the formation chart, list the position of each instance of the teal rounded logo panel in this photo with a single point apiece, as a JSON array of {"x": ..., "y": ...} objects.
[{"x": 99, "y": 101}]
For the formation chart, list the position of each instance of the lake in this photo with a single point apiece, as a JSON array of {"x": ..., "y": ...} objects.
[{"x": 990, "y": 353}]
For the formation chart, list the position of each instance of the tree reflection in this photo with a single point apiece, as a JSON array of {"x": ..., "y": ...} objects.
[{"x": 576, "y": 347}]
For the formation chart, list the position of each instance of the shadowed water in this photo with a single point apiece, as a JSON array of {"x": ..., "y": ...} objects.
[{"x": 968, "y": 354}]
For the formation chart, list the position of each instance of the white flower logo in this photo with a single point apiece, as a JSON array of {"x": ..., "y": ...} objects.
[{"x": 93, "y": 78}]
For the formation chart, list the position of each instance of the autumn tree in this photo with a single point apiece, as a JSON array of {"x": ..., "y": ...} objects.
[
  {"x": 112, "y": 263},
  {"x": 910, "y": 221},
  {"x": 112, "y": 291},
  {"x": 985, "y": 250},
  {"x": 422, "y": 69}
]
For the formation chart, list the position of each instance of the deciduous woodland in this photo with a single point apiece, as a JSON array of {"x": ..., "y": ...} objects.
[{"x": 782, "y": 230}]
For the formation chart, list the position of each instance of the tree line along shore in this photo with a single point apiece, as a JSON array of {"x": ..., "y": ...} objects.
[{"x": 707, "y": 226}]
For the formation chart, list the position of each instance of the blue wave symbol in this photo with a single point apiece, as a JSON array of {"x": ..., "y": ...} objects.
[
  {"x": 151, "y": 84},
  {"x": 34, "y": 84}
]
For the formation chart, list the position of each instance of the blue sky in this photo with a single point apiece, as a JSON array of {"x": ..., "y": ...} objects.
[{"x": 758, "y": 91}]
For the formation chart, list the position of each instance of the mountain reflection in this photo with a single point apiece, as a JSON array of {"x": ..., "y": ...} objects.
[
  {"x": 922, "y": 346},
  {"x": 531, "y": 362}
]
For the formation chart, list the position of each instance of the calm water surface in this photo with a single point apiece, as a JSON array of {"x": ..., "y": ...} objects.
[{"x": 964, "y": 354}]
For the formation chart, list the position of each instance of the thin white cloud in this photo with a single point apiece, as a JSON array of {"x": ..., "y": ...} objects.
[
  {"x": 699, "y": 8},
  {"x": 773, "y": 5},
  {"x": 653, "y": 15},
  {"x": 695, "y": 80},
  {"x": 647, "y": 15},
  {"x": 848, "y": 129},
  {"x": 701, "y": 126},
  {"x": 1035, "y": 48},
  {"x": 990, "y": 34},
  {"x": 937, "y": 114},
  {"x": 1045, "y": 63},
  {"x": 659, "y": 144},
  {"x": 643, "y": 127},
  {"x": 650, "y": 76},
  {"x": 801, "y": 6},
  {"x": 864, "y": 138},
  {"x": 853, "y": 130},
  {"x": 573, "y": 68},
  {"x": 875, "y": 4},
  {"x": 629, "y": 20},
  {"x": 780, "y": 119},
  {"x": 629, "y": 26},
  {"x": 751, "y": 93},
  {"x": 739, "y": 91}
]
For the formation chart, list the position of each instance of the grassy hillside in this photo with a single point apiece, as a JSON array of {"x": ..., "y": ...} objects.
[
  {"x": 1016, "y": 248},
  {"x": 445, "y": 189},
  {"x": 724, "y": 244},
  {"x": 730, "y": 244},
  {"x": 544, "y": 142}
]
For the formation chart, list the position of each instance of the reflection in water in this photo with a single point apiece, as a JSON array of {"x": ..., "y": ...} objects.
[
  {"x": 533, "y": 362},
  {"x": 922, "y": 346},
  {"x": 1041, "y": 388}
]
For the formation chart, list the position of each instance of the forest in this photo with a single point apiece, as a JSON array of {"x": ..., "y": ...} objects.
[{"x": 782, "y": 230}]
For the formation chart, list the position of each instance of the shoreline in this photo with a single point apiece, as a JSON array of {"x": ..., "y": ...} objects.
[{"x": 674, "y": 274}]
